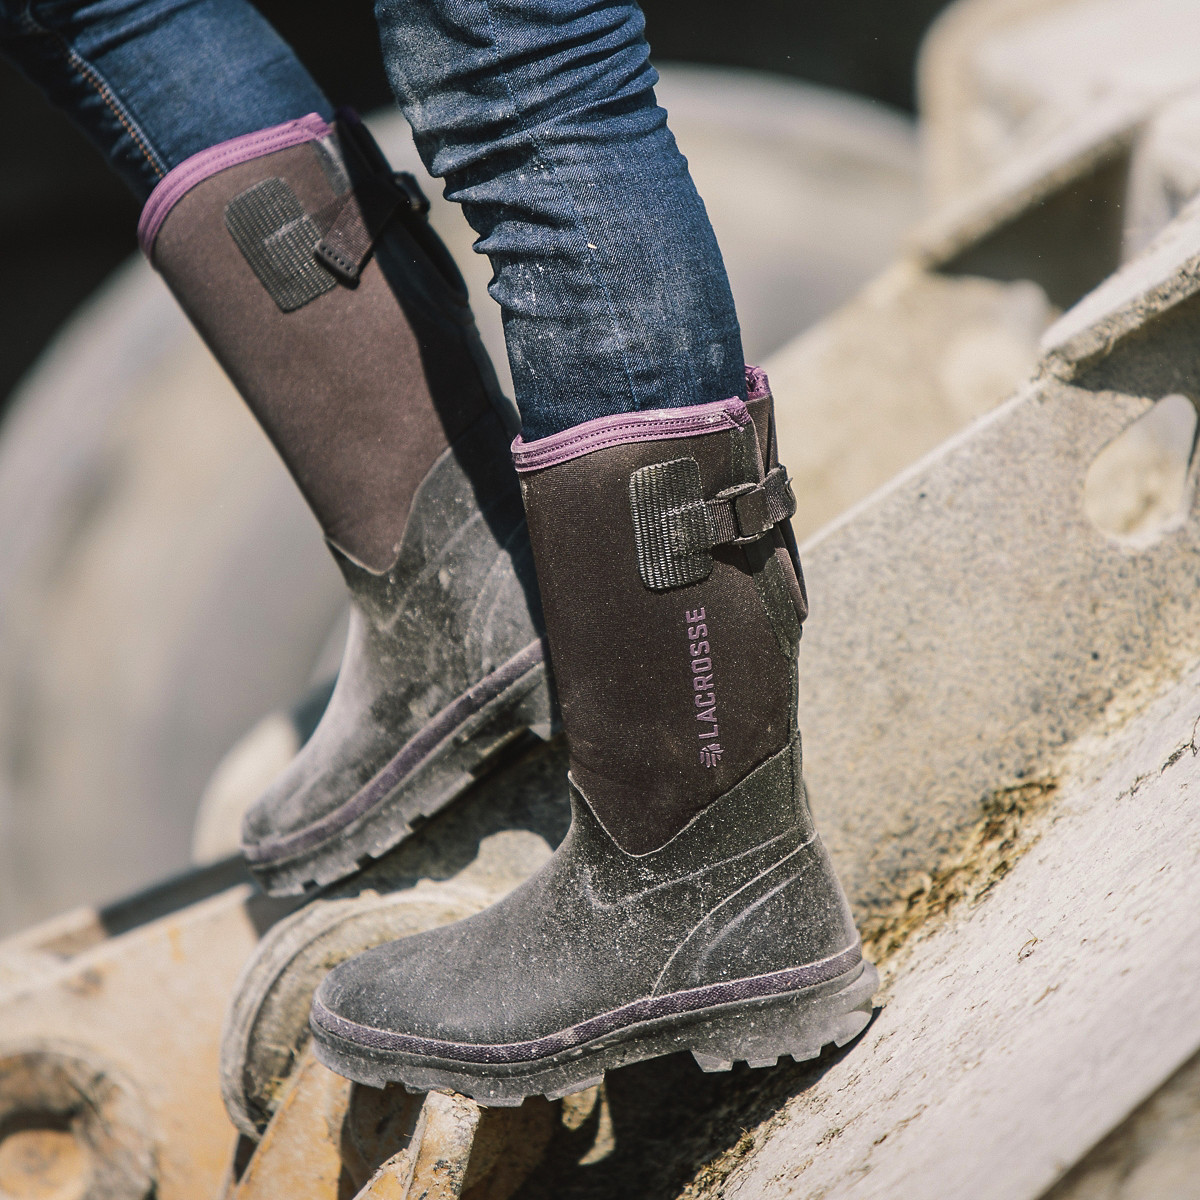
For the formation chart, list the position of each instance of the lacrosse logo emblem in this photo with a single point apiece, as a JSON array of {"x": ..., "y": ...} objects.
[{"x": 704, "y": 698}]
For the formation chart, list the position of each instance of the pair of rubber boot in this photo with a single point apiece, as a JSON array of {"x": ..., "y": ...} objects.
[{"x": 691, "y": 905}]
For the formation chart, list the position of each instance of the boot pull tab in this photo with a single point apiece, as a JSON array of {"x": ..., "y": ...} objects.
[{"x": 299, "y": 256}]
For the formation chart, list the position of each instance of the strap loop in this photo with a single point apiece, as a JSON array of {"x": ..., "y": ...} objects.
[
  {"x": 745, "y": 513},
  {"x": 354, "y": 220},
  {"x": 675, "y": 528}
]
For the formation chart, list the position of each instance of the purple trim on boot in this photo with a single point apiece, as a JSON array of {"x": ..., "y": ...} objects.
[
  {"x": 178, "y": 182},
  {"x": 777, "y": 983},
  {"x": 757, "y": 387},
  {"x": 406, "y": 760},
  {"x": 623, "y": 428}
]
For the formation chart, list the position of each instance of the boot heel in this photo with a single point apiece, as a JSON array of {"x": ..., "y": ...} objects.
[{"x": 799, "y": 1026}]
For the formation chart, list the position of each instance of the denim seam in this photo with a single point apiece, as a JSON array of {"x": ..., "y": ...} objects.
[
  {"x": 597, "y": 275},
  {"x": 89, "y": 74}
]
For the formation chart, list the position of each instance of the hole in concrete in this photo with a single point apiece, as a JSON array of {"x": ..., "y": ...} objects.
[
  {"x": 70, "y": 1129},
  {"x": 1138, "y": 488},
  {"x": 41, "y": 1159},
  {"x": 1068, "y": 241}
]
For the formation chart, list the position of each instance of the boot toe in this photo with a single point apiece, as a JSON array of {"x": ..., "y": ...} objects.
[
  {"x": 286, "y": 807},
  {"x": 467, "y": 982},
  {"x": 313, "y": 787},
  {"x": 388, "y": 989}
]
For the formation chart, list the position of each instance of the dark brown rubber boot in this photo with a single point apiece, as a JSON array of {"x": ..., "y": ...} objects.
[
  {"x": 692, "y": 905},
  {"x": 311, "y": 272}
]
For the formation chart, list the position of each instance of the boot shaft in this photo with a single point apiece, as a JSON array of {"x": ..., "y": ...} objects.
[
  {"x": 314, "y": 277},
  {"x": 673, "y": 605}
]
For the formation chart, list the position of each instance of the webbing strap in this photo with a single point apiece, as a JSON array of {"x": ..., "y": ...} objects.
[
  {"x": 675, "y": 528},
  {"x": 353, "y": 221},
  {"x": 744, "y": 514},
  {"x": 276, "y": 237},
  {"x": 299, "y": 256}
]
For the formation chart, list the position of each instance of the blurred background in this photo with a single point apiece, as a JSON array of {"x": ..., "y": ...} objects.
[
  {"x": 70, "y": 222},
  {"x": 913, "y": 203},
  {"x": 163, "y": 588}
]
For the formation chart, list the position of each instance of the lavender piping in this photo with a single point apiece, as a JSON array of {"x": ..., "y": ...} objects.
[
  {"x": 757, "y": 386},
  {"x": 623, "y": 428},
  {"x": 776, "y": 983},
  {"x": 406, "y": 760},
  {"x": 192, "y": 171}
]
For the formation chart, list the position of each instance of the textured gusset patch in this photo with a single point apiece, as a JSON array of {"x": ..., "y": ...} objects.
[
  {"x": 793, "y": 912},
  {"x": 277, "y": 238},
  {"x": 670, "y": 524}
]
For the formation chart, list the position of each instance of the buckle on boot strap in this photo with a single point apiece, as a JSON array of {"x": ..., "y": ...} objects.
[
  {"x": 675, "y": 528},
  {"x": 749, "y": 511}
]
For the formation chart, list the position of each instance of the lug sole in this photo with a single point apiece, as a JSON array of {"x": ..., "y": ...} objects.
[
  {"x": 758, "y": 1032},
  {"x": 466, "y": 754}
]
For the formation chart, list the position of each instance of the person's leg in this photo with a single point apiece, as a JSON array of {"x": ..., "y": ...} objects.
[
  {"x": 691, "y": 905},
  {"x": 540, "y": 115},
  {"x": 153, "y": 82},
  {"x": 313, "y": 275}
]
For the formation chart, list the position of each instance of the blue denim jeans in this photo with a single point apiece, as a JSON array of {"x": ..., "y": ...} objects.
[
  {"x": 152, "y": 82},
  {"x": 539, "y": 115}
]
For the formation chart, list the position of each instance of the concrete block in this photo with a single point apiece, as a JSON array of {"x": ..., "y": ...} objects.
[
  {"x": 1000, "y": 722},
  {"x": 968, "y": 619},
  {"x": 914, "y": 358},
  {"x": 1154, "y": 1153},
  {"x": 1164, "y": 173},
  {"x": 1058, "y": 135}
]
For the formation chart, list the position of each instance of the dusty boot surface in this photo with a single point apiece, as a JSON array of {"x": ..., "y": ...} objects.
[
  {"x": 313, "y": 275},
  {"x": 692, "y": 905}
]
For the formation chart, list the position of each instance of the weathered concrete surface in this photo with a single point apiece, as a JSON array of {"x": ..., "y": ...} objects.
[
  {"x": 136, "y": 995},
  {"x": 1059, "y": 135},
  {"x": 1165, "y": 171},
  {"x": 1053, "y": 215},
  {"x": 332, "y": 1139},
  {"x": 912, "y": 359},
  {"x": 1154, "y": 1153},
  {"x": 968, "y": 620},
  {"x": 952, "y": 328},
  {"x": 949, "y": 331},
  {"x": 1017, "y": 1032}
]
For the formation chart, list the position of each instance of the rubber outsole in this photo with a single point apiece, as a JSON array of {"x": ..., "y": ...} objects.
[
  {"x": 466, "y": 753},
  {"x": 758, "y": 1032}
]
